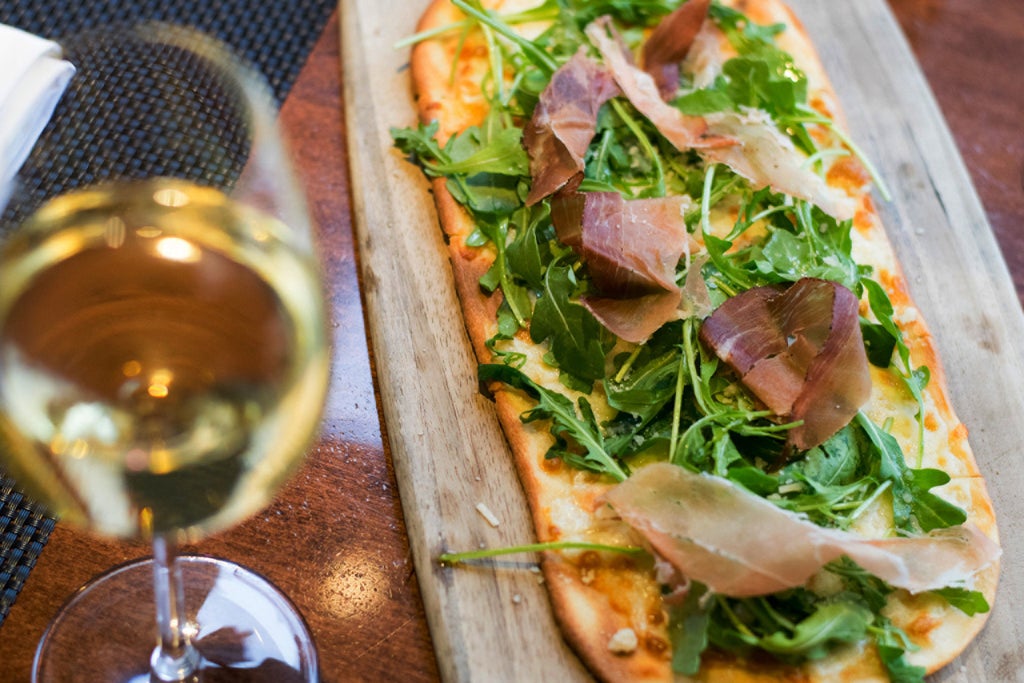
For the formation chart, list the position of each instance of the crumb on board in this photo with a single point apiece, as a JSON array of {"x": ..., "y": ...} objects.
[{"x": 486, "y": 513}]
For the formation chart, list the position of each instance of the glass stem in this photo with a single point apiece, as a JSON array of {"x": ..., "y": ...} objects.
[{"x": 175, "y": 659}]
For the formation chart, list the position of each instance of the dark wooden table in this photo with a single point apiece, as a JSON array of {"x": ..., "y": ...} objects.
[{"x": 335, "y": 539}]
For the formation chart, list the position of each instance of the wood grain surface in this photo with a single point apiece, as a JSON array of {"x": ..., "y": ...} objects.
[{"x": 336, "y": 541}]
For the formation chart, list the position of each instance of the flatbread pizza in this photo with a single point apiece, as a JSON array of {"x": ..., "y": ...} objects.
[{"x": 728, "y": 416}]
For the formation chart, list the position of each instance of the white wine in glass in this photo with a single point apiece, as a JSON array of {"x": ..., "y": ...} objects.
[{"x": 163, "y": 364}]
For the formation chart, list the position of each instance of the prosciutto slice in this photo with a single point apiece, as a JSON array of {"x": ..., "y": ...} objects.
[
  {"x": 670, "y": 42},
  {"x": 767, "y": 158},
  {"x": 631, "y": 248},
  {"x": 563, "y": 124},
  {"x": 706, "y": 56},
  {"x": 800, "y": 351},
  {"x": 741, "y": 545},
  {"x": 684, "y": 132},
  {"x": 636, "y": 319}
]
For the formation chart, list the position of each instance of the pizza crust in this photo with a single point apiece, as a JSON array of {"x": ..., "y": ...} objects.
[{"x": 598, "y": 595}]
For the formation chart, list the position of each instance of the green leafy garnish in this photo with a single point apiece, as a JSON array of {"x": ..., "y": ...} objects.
[
  {"x": 811, "y": 638},
  {"x": 470, "y": 555},
  {"x": 688, "y": 628},
  {"x": 914, "y": 505},
  {"x": 967, "y": 601},
  {"x": 579, "y": 437},
  {"x": 578, "y": 343},
  {"x": 915, "y": 379}
]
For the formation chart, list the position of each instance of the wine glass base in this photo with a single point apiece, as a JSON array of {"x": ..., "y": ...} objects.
[{"x": 244, "y": 628}]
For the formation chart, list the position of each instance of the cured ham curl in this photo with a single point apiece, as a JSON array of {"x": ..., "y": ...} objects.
[
  {"x": 563, "y": 124},
  {"x": 670, "y": 42},
  {"x": 631, "y": 248},
  {"x": 767, "y": 158},
  {"x": 635, "y": 320},
  {"x": 741, "y": 545},
  {"x": 684, "y": 132},
  {"x": 800, "y": 351}
]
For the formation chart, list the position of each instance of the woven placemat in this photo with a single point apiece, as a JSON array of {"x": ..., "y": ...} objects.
[
  {"x": 24, "y": 529},
  {"x": 276, "y": 37}
]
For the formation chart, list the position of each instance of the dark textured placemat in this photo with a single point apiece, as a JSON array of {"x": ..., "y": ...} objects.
[
  {"x": 276, "y": 37},
  {"x": 24, "y": 529}
]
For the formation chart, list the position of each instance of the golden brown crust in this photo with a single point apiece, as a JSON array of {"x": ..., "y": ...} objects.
[
  {"x": 596, "y": 596},
  {"x": 456, "y": 103}
]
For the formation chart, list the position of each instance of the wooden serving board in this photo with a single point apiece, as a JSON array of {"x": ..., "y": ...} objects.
[{"x": 494, "y": 624}]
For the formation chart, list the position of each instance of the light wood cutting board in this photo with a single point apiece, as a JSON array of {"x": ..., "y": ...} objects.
[{"x": 494, "y": 624}]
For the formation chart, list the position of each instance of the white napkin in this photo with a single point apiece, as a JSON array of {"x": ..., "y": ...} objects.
[{"x": 32, "y": 79}]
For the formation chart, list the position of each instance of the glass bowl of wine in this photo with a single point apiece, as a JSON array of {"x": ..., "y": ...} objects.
[{"x": 163, "y": 353}]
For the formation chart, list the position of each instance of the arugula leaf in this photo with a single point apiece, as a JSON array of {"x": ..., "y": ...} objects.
[
  {"x": 743, "y": 33},
  {"x": 704, "y": 101},
  {"x": 835, "y": 622},
  {"x": 499, "y": 154},
  {"x": 806, "y": 115},
  {"x": 915, "y": 379},
  {"x": 508, "y": 326},
  {"x": 900, "y": 670},
  {"x": 768, "y": 80},
  {"x": 530, "y": 251},
  {"x": 838, "y": 461},
  {"x": 729, "y": 265},
  {"x": 882, "y": 307},
  {"x": 873, "y": 590},
  {"x": 833, "y": 482},
  {"x": 645, "y": 380},
  {"x": 581, "y": 427},
  {"x": 468, "y": 556},
  {"x": 754, "y": 479},
  {"x": 718, "y": 452},
  {"x": 652, "y": 158},
  {"x": 802, "y": 241},
  {"x": 516, "y": 296},
  {"x": 420, "y": 143},
  {"x": 878, "y": 343},
  {"x": 891, "y": 641},
  {"x": 546, "y": 11},
  {"x": 793, "y": 626},
  {"x": 578, "y": 342},
  {"x": 967, "y": 601},
  {"x": 488, "y": 196},
  {"x": 788, "y": 256},
  {"x": 485, "y": 165},
  {"x": 914, "y": 505},
  {"x": 630, "y": 156},
  {"x": 931, "y": 511},
  {"x": 465, "y": 154},
  {"x": 647, "y": 388},
  {"x": 688, "y": 629},
  {"x": 632, "y": 12}
]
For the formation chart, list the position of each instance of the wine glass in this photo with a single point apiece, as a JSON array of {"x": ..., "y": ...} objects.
[{"x": 163, "y": 355}]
